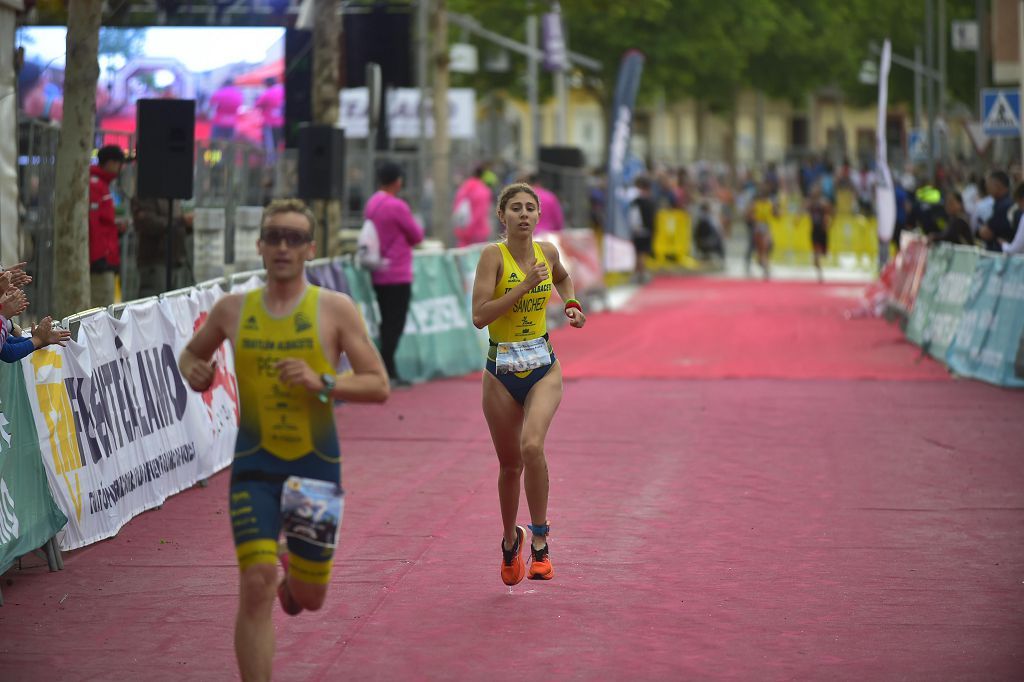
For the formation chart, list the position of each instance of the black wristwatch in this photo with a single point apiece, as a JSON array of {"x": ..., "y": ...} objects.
[{"x": 329, "y": 381}]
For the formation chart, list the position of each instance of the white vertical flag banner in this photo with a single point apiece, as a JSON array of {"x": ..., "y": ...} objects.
[{"x": 885, "y": 195}]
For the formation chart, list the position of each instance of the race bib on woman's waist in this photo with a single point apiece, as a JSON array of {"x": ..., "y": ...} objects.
[
  {"x": 311, "y": 510},
  {"x": 522, "y": 356}
]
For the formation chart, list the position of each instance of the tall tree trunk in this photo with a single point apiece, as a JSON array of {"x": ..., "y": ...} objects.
[
  {"x": 71, "y": 199},
  {"x": 441, "y": 162},
  {"x": 326, "y": 35},
  {"x": 326, "y": 52}
]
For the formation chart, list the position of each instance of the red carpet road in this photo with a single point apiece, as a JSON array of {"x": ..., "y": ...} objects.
[{"x": 745, "y": 485}]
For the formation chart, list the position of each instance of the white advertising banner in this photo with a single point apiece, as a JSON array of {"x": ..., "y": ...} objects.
[
  {"x": 119, "y": 429},
  {"x": 403, "y": 113}
]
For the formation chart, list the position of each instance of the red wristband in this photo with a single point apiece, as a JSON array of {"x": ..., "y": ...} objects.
[{"x": 573, "y": 304}]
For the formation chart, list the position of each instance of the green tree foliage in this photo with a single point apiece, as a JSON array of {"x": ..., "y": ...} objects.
[
  {"x": 122, "y": 42},
  {"x": 708, "y": 50}
]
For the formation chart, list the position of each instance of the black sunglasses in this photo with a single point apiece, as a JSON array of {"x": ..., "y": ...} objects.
[{"x": 272, "y": 236}]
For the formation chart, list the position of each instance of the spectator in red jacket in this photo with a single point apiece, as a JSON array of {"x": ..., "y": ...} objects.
[{"x": 104, "y": 229}]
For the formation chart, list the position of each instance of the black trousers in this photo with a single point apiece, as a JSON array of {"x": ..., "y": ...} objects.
[{"x": 393, "y": 301}]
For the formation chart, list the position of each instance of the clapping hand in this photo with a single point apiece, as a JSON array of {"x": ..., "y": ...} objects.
[
  {"x": 12, "y": 302},
  {"x": 48, "y": 335},
  {"x": 19, "y": 277}
]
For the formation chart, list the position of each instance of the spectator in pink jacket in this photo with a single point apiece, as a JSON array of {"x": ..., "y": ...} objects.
[
  {"x": 551, "y": 218},
  {"x": 224, "y": 106},
  {"x": 398, "y": 232},
  {"x": 471, "y": 210},
  {"x": 271, "y": 105}
]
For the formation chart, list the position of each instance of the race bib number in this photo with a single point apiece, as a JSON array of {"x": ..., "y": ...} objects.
[
  {"x": 311, "y": 510},
  {"x": 522, "y": 356}
]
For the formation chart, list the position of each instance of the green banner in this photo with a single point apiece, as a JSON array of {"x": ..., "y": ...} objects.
[
  {"x": 439, "y": 338},
  {"x": 948, "y": 302},
  {"x": 939, "y": 259},
  {"x": 361, "y": 290},
  {"x": 990, "y": 331},
  {"x": 466, "y": 259},
  {"x": 28, "y": 515}
]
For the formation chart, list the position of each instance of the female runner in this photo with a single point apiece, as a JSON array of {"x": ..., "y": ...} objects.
[{"x": 522, "y": 385}]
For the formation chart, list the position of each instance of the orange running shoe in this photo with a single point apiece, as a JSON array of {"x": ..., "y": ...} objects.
[
  {"x": 540, "y": 567},
  {"x": 513, "y": 568}
]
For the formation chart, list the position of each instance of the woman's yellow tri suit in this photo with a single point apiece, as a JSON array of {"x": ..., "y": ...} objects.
[{"x": 524, "y": 323}]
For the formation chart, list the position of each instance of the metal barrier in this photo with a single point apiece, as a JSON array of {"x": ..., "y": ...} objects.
[
  {"x": 233, "y": 174},
  {"x": 37, "y": 173}
]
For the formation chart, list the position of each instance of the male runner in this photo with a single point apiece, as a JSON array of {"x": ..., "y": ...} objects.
[{"x": 288, "y": 337}]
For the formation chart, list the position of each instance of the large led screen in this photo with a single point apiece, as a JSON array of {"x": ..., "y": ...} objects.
[{"x": 235, "y": 75}]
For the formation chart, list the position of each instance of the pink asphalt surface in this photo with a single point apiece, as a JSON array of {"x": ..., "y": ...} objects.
[{"x": 745, "y": 485}]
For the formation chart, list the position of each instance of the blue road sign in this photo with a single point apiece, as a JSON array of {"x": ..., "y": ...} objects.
[{"x": 1000, "y": 112}]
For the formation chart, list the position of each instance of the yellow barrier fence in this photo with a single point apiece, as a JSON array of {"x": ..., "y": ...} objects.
[
  {"x": 673, "y": 237},
  {"x": 852, "y": 241}
]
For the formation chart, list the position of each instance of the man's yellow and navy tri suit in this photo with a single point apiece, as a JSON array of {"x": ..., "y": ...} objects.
[
  {"x": 525, "y": 321},
  {"x": 284, "y": 431}
]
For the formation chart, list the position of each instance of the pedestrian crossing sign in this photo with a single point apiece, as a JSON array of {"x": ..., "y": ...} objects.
[{"x": 1000, "y": 112}]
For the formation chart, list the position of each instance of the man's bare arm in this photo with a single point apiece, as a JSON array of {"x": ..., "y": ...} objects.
[
  {"x": 196, "y": 364},
  {"x": 368, "y": 382}
]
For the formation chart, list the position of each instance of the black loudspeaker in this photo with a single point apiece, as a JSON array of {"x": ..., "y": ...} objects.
[
  {"x": 568, "y": 157},
  {"x": 165, "y": 147},
  {"x": 561, "y": 170},
  {"x": 382, "y": 35},
  {"x": 298, "y": 83},
  {"x": 321, "y": 162}
]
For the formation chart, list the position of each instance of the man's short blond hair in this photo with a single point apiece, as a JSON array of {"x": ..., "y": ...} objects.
[{"x": 279, "y": 206}]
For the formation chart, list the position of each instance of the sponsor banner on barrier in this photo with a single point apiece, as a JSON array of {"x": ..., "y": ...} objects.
[
  {"x": 360, "y": 288},
  {"x": 934, "y": 320},
  {"x": 28, "y": 515},
  {"x": 1018, "y": 365},
  {"x": 987, "y": 337},
  {"x": 580, "y": 255},
  {"x": 439, "y": 337},
  {"x": 910, "y": 266},
  {"x": 119, "y": 430},
  {"x": 329, "y": 275},
  {"x": 938, "y": 263},
  {"x": 466, "y": 261},
  {"x": 216, "y": 410}
]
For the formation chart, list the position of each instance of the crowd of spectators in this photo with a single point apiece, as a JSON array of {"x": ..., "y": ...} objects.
[{"x": 957, "y": 205}]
